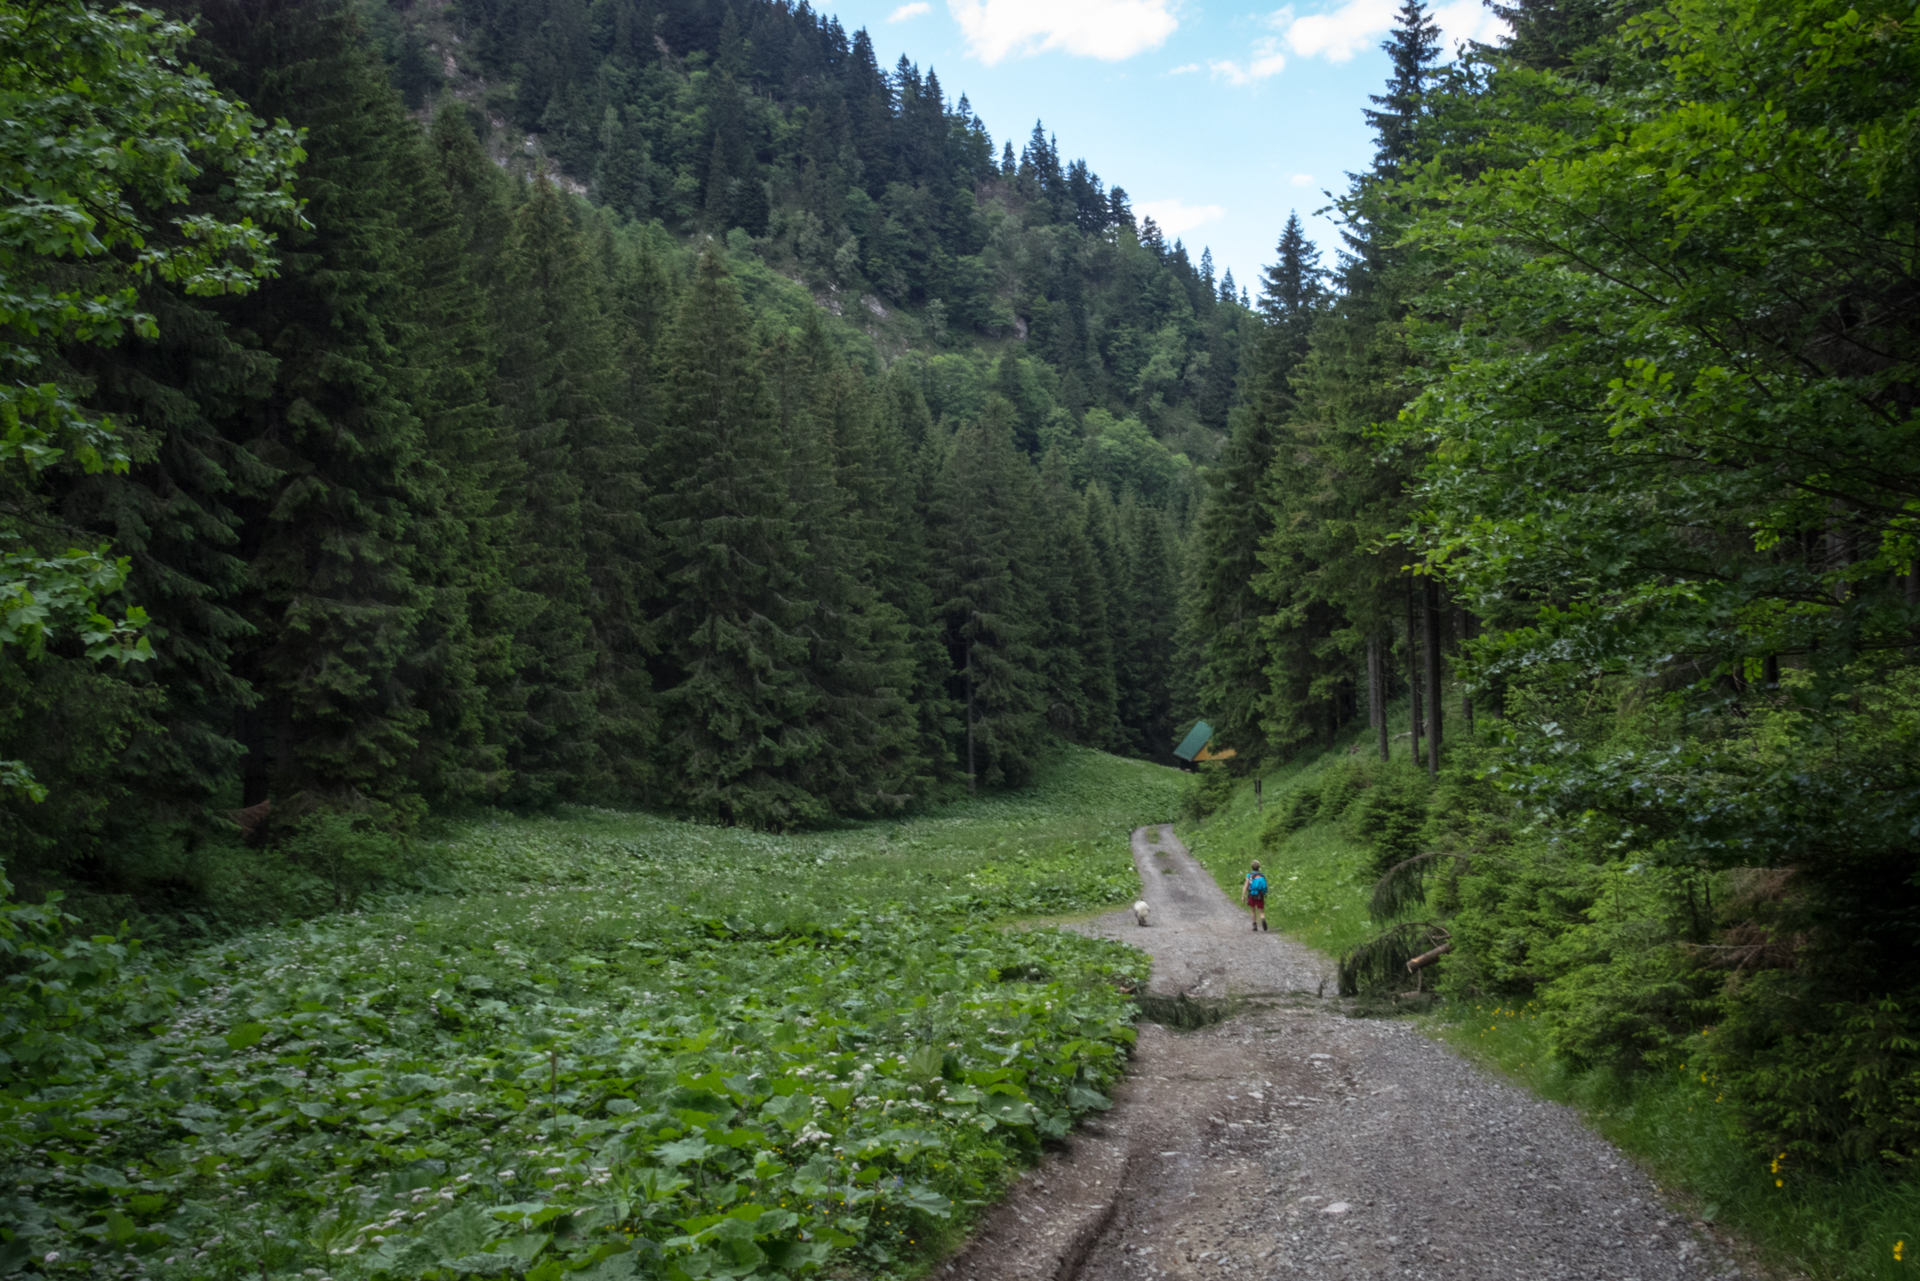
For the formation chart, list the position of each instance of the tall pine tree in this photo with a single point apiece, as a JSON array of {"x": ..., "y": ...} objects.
[
  {"x": 739, "y": 711},
  {"x": 550, "y": 381},
  {"x": 1145, "y": 695},
  {"x": 345, "y": 543},
  {"x": 1336, "y": 497},
  {"x": 858, "y": 659},
  {"x": 1235, "y": 517},
  {"x": 983, "y": 548}
]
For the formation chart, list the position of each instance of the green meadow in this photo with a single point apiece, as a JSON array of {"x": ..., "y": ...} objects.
[{"x": 606, "y": 1045}]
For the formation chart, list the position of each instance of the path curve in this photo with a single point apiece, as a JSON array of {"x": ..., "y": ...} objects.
[{"x": 1293, "y": 1141}]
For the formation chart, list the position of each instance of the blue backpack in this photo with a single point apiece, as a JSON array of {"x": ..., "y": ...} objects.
[{"x": 1257, "y": 886}]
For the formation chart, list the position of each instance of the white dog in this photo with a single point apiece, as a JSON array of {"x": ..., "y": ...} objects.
[{"x": 1140, "y": 910}]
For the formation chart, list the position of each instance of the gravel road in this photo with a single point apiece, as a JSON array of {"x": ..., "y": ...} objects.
[{"x": 1293, "y": 1141}]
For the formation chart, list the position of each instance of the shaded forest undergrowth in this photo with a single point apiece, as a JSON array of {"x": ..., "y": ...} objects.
[
  {"x": 1326, "y": 824},
  {"x": 605, "y": 1044}
]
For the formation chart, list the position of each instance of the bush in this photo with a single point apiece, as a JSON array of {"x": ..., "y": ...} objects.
[
  {"x": 1206, "y": 792},
  {"x": 1621, "y": 990},
  {"x": 1318, "y": 801},
  {"x": 1294, "y": 812},
  {"x": 1344, "y": 783},
  {"x": 1388, "y": 816},
  {"x": 349, "y": 852},
  {"x": 1833, "y": 1083},
  {"x": 1338, "y": 794},
  {"x": 60, "y": 996}
]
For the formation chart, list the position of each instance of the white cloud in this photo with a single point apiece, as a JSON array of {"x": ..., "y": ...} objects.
[
  {"x": 1465, "y": 20},
  {"x": 1184, "y": 68},
  {"x": 1341, "y": 32},
  {"x": 1267, "y": 60},
  {"x": 1105, "y": 29},
  {"x": 1303, "y": 180},
  {"x": 1176, "y": 217},
  {"x": 914, "y": 10}
]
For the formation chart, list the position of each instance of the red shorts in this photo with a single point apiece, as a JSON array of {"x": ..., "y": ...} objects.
[{"x": 1257, "y": 900}]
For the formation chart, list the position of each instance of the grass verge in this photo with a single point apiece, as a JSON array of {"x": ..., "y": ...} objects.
[
  {"x": 1854, "y": 1224},
  {"x": 1316, "y": 877},
  {"x": 609, "y": 1046}
]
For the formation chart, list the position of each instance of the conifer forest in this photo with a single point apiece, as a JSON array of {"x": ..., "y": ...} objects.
[{"x": 620, "y": 418}]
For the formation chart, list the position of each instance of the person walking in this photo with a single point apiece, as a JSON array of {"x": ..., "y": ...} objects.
[{"x": 1255, "y": 890}]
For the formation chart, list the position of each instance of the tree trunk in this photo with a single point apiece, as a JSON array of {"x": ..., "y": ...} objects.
[
  {"x": 1465, "y": 623},
  {"x": 972, "y": 778},
  {"x": 1430, "y": 594},
  {"x": 1913, "y": 599},
  {"x": 1413, "y": 673},
  {"x": 1377, "y": 690}
]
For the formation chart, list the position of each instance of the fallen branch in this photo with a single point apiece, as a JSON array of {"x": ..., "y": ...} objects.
[{"x": 1428, "y": 958}]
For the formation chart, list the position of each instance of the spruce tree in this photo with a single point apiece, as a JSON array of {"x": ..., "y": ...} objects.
[
  {"x": 344, "y": 544},
  {"x": 1154, "y": 558},
  {"x": 981, "y": 539},
  {"x": 622, "y": 551},
  {"x": 1057, "y": 636},
  {"x": 552, "y": 360},
  {"x": 1546, "y": 34},
  {"x": 462, "y": 747},
  {"x": 1334, "y": 499},
  {"x": 908, "y": 453},
  {"x": 1329, "y": 574},
  {"x": 491, "y": 468},
  {"x": 858, "y": 659},
  {"x": 142, "y": 750},
  {"x": 1076, "y": 649},
  {"x": 736, "y": 703},
  {"x": 623, "y": 179},
  {"x": 1230, "y": 682},
  {"x": 1413, "y": 49},
  {"x": 1113, "y": 570}
]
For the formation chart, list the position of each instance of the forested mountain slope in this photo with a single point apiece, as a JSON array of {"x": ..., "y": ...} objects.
[
  {"x": 768, "y": 120},
  {"x": 671, "y": 409},
  {"x": 660, "y": 404}
]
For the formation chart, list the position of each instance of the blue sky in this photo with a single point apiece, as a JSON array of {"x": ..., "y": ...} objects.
[{"x": 1217, "y": 117}]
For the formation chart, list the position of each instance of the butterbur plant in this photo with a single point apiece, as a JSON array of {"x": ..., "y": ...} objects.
[
  {"x": 574, "y": 1066},
  {"x": 60, "y": 996},
  {"x": 753, "y": 1129}
]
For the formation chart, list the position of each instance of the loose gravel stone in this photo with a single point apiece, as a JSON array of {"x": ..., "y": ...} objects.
[{"x": 1293, "y": 1141}]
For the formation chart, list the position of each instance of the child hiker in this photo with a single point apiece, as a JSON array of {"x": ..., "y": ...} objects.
[{"x": 1256, "y": 894}]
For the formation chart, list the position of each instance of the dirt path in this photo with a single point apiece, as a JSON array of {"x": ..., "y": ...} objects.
[{"x": 1292, "y": 1141}]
